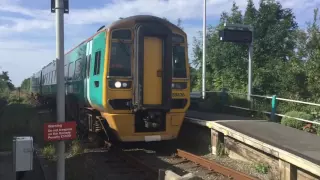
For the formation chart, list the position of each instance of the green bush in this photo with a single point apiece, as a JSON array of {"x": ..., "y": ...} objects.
[
  {"x": 76, "y": 148},
  {"x": 293, "y": 122},
  {"x": 49, "y": 152},
  {"x": 317, "y": 127}
]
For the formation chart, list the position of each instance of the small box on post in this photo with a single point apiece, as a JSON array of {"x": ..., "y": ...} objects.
[{"x": 22, "y": 153}]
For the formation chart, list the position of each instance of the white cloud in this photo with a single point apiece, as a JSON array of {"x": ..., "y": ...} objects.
[{"x": 24, "y": 56}]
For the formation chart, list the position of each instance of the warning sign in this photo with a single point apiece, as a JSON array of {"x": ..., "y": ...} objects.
[{"x": 59, "y": 131}]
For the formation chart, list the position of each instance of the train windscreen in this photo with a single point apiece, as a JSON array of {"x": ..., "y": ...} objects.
[
  {"x": 120, "y": 60},
  {"x": 179, "y": 62}
]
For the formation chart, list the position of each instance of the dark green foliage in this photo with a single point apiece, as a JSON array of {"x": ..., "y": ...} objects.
[
  {"x": 296, "y": 123},
  {"x": 286, "y": 59},
  {"x": 5, "y": 81},
  {"x": 25, "y": 85}
]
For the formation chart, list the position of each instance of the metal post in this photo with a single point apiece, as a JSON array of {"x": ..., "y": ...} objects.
[
  {"x": 59, "y": 9},
  {"x": 204, "y": 51},
  {"x": 273, "y": 107},
  {"x": 250, "y": 72}
]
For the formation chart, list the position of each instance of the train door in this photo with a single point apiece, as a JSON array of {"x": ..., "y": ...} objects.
[
  {"x": 96, "y": 69},
  {"x": 152, "y": 72},
  {"x": 153, "y": 67},
  {"x": 87, "y": 75}
]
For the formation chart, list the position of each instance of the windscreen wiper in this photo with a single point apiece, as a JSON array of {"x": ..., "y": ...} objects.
[{"x": 124, "y": 47}]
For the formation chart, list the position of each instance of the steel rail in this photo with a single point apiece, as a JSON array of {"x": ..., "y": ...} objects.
[{"x": 213, "y": 166}]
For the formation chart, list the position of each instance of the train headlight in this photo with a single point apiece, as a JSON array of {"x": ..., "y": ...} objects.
[
  {"x": 179, "y": 85},
  {"x": 117, "y": 84}
]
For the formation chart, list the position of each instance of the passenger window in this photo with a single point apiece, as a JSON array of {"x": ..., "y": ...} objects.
[
  {"x": 97, "y": 63},
  {"x": 49, "y": 78},
  {"x": 71, "y": 70},
  {"x": 77, "y": 71},
  {"x": 54, "y": 76},
  {"x": 88, "y": 65},
  {"x": 65, "y": 71}
]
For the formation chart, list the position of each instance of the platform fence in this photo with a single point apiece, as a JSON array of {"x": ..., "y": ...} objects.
[{"x": 268, "y": 104}]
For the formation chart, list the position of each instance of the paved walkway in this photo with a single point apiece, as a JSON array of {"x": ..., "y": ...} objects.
[
  {"x": 300, "y": 143},
  {"x": 6, "y": 172}
]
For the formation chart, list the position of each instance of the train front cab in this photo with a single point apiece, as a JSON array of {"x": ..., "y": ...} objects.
[{"x": 161, "y": 63}]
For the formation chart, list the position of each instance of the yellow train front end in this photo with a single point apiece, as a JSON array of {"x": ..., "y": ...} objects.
[{"x": 147, "y": 79}]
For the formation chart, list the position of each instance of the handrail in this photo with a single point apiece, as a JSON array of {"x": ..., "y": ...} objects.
[{"x": 274, "y": 99}]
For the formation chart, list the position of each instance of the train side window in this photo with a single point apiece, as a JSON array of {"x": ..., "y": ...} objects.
[
  {"x": 71, "y": 70},
  {"x": 65, "y": 71},
  {"x": 121, "y": 34},
  {"x": 97, "y": 63},
  {"x": 54, "y": 76},
  {"x": 88, "y": 65},
  {"x": 50, "y": 76},
  {"x": 77, "y": 71}
]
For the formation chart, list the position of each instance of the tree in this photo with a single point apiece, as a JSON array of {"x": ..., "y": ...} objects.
[
  {"x": 25, "y": 85},
  {"x": 6, "y": 79}
]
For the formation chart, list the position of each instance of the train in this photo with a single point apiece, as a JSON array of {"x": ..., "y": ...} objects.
[{"x": 130, "y": 79}]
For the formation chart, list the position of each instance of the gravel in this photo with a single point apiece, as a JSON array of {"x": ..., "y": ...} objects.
[{"x": 196, "y": 139}]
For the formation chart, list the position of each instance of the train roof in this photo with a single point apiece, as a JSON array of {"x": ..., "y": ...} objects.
[
  {"x": 117, "y": 23},
  {"x": 132, "y": 19}
]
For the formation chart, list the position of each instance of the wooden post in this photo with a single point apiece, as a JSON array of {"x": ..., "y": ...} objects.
[
  {"x": 217, "y": 142},
  {"x": 287, "y": 171}
]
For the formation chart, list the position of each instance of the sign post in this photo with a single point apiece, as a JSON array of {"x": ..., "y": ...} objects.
[
  {"x": 243, "y": 34},
  {"x": 60, "y": 7},
  {"x": 204, "y": 37}
]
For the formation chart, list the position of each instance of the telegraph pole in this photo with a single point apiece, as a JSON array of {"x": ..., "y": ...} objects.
[
  {"x": 60, "y": 7},
  {"x": 204, "y": 18}
]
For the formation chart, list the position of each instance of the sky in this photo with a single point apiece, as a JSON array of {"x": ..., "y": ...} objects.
[{"x": 27, "y": 27}]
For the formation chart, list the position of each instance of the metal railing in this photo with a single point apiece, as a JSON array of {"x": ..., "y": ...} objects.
[{"x": 274, "y": 99}]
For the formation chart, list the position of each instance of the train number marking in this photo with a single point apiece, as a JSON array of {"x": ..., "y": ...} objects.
[{"x": 178, "y": 94}]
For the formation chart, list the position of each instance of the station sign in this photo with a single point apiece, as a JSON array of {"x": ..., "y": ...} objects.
[
  {"x": 60, "y": 131},
  {"x": 235, "y": 35}
]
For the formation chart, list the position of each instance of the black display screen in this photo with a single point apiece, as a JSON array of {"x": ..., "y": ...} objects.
[{"x": 238, "y": 36}]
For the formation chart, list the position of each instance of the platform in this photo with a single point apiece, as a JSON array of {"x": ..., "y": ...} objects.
[{"x": 294, "y": 146}]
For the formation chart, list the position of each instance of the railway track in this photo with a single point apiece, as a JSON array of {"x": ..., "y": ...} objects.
[
  {"x": 149, "y": 169},
  {"x": 213, "y": 166}
]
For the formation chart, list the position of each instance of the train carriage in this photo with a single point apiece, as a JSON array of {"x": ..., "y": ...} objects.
[{"x": 130, "y": 79}]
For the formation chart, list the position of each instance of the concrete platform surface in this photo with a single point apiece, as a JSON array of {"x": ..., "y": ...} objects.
[
  {"x": 300, "y": 143},
  {"x": 215, "y": 116}
]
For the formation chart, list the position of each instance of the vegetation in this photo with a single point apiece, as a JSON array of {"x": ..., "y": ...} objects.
[
  {"x": 286, "y": 60},
  {"x": 76, "y": 148},
  {"x": 296, "y": 123},
  {"x": 49, "y": 152},
  {"x": 262, "y": 168}
]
